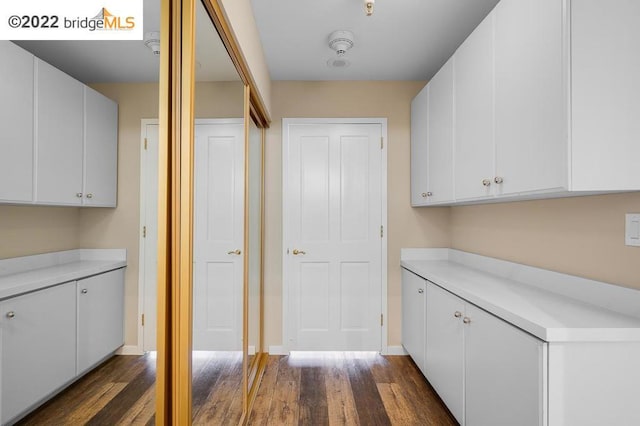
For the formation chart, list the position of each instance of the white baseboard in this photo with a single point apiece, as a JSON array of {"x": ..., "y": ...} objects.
[
  {"x": 395, "y": 350},
  {"x": 277, "y": 350},
  {"x": 129, "y": 350}
]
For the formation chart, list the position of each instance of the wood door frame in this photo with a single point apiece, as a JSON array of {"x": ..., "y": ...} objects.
[{"x": 286, "y": 314}]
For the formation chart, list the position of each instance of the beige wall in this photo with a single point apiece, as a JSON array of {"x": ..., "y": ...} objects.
[
  {"x": 120, "y": 227},
  {"x": 26, "y": 230},
  {"x": 407, "y": 227},
  {"x": 581, "y": 236},
  {"x": 240, "y": 16}
]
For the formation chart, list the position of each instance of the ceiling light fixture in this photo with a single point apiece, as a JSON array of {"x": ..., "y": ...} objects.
[
  {"x": 152, "y": 41},
  {"x": 368, "y": 7},
  {"x": 340, "y": 41}
]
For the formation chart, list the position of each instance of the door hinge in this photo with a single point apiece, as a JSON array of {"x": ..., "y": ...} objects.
[
  {"x": 144, "y": 232},
  {"x": 145, "y": 143},
  {"x": 143, "y": 320},
  {"x": 381, "y": 142},
  {"x": 381, "y": 231},
  {"x": 381, "y": 320}
]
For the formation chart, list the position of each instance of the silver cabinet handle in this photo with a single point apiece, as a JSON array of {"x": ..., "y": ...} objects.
[
  {"x": 84, "y": 291},
  {"x": 11, "y": 315},
  {"x": 466, "y": 320},
  {"x": 424, "y": 195},
  {"x": 498, "y": 180},
  {"x": 427, "y": 194},
  {"x": 458, "y": 314},
  {"x": 79, "y": 194},
  {"x": 89, "y": 195},
  {"x": 420, "y": 290},
  {"x": 237, "y": 252},
  {"x": 486, "y": 182}
]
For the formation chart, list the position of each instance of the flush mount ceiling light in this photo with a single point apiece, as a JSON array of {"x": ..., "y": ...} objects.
[
  {"x": 152, "y": 41},
  {"x": 340, "y": 41},
  {"x": 368, "y": 7}
]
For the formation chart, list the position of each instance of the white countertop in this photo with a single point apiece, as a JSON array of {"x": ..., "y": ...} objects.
[
  {"x": 548, "y": 315},
  {"x": 29, "y": 273}
]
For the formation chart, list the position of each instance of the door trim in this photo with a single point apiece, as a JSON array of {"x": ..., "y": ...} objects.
[{"x": 286, "y": 122}]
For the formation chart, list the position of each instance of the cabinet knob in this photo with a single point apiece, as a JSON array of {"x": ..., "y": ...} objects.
[
  {"x": 429, "y": 194},
  {"x": 466, "y": 320},
  {"x": 79, "y": 194},
  {"x": 458, "y": 314},
  {"x": 84, "y": 291},
  {"x": 498, "y": 180},
  {"x": 11, "y": 315},
  {"x": 420, "y": 290},
  {"x": 89, "y": 195},
  {"x": 486, "y": 182},
  {"x": 424, "y": 195}
]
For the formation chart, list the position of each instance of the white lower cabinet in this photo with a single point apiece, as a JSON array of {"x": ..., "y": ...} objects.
[
  {"x": 445, "y": 351},
  {"x": 413, "y": 316},
  {"x": 49, "y": 337},
  {"x": 486, "y": 371},
  {"x": 38, "y": 346},
  {"x": 100, "y": 302}
]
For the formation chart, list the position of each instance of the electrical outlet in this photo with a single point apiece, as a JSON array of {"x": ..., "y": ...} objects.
[{"x": 632, "y": 229}]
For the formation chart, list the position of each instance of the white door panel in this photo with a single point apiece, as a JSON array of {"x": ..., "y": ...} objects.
[
  {"x": 218, "y": 233},
  {"x": 333, "y": 192}
]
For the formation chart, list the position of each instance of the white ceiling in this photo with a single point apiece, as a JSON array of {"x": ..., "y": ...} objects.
[
  {"x": 131, "y": 61},
  {"x": 403, "y": 40}
]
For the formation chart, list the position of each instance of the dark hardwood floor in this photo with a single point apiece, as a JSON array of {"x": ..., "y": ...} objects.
[{"x": 301, "y": 389}]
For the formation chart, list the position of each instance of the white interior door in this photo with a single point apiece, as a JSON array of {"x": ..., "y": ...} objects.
[
  {"x": 218, "y": 230},
  {"x": 333, "y": 240},
  {"x": 218, "y": 236}
]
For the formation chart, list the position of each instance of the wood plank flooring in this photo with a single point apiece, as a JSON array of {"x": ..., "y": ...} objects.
[{"x": 331, "y": 388}]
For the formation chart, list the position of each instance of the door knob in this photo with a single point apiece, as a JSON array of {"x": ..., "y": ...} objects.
[
  {"x": 237, "y": 252},
  {"x": 297, "y": 252}
]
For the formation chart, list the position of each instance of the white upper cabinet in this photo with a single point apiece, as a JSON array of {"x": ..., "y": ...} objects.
[
  {"x": 546, "y": 104},
  {"x": 474, "y": 147},
  {"x": 59, "y": 141},
  {"x": 100, "y": 150},
  {"x": 605, "y": 89},
  {"x": 59, "y": 137},
  {"x": 440, "y": 135},
  {"x": 419, "y": 107},
  {"x": 530, "y": 97},
  {"x": 16, "y": 122}
]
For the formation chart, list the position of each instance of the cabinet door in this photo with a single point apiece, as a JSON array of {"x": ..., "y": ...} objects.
[
  {"x": 100, "y": 317},
  {"x": 505, "y": 373},
  {"x": 100, "y": 150},
  {"x": 604, "y": 115},
  {"x": 530, "y": 90},
  {"x": 59, "y": 137},
  {"x": 474, "y": 145},
  {"x": 38, "y": 346},
  {"x": 440, "y": 135},
  {"x": 444, "y": 359},
  {"x": 16, "y": 123},
  {"x": 413, "y": 316},
  {"x": 419, "y": 156}
]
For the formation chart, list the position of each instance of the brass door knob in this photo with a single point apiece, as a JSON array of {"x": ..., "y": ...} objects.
[
  {"x": 297, "y": 252},
  {"x": 237, "y": 252}
]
